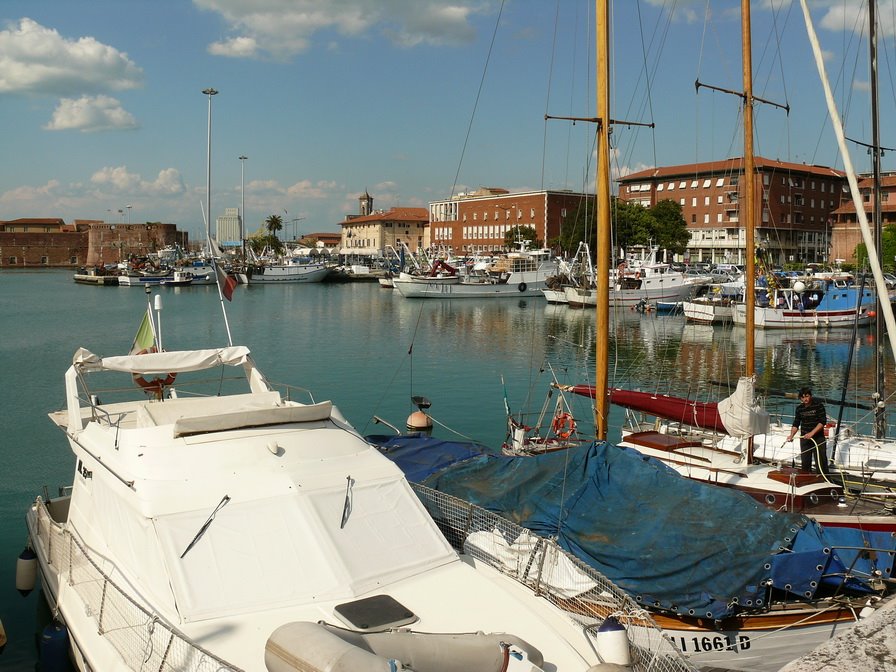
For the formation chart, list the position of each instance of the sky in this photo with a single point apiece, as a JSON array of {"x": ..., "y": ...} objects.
[{"x": 103, "y": 115}]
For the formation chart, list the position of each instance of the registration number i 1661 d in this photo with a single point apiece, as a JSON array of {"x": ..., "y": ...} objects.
[{"x": 718, "y": 642}]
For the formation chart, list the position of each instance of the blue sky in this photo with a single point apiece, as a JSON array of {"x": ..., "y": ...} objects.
[{"x": 412, "y": 100}]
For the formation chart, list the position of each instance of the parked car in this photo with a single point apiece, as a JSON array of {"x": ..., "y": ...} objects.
[{"x": 890, "y": 279}]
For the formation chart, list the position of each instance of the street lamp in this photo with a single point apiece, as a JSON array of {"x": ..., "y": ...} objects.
[
  {"x": 208, "y": 171},
  {"x": 129, "y": 213},
  {"x": 243, "y": 204}
]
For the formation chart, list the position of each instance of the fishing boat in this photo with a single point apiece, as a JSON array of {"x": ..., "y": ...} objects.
[
  {"x": 288, "y": 270},
  {"x": 713, "y": 303},
  {"x": 178, "y": 279},
  {"x": 819, "y": 304},
  {"x": 639, "y": 281},
  {"x": 215, "y": 519},
  {"x": 522, "y": 273}
]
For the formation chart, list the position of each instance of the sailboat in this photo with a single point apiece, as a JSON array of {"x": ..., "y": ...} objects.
[
  {"x": 861, "y": 488},
  {"x": 596, "y": 498}
]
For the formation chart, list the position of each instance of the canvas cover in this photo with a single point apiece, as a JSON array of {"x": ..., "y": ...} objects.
[{"x": 672, "y": 543}]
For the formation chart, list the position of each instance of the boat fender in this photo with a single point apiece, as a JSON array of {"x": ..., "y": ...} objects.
[
  {"x": 612, "y": 642},
  {"x": 54, "y": 649},
  {"x": 156, "y": 384},
  {"x": 26, "y": 571},
  {"x": 522, "y": 287}
]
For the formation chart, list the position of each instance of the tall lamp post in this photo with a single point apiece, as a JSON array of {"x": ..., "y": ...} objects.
[
  {"x": 129, "y": 213},
  {"x": 208, "y": 169},
  {"x": 243, "y": 204}
]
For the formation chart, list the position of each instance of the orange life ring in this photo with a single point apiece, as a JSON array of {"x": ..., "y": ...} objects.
[
  {"x": 563, "y": 425},
  {"x": 156, "y": 384}
]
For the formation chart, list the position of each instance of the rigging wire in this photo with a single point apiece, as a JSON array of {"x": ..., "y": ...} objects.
[{"x": 488, "y": 57}]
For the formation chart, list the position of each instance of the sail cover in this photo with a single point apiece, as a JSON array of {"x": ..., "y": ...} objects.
[
  {"x": 738, "y": 415},
  {"x": 672, "y": 543}
]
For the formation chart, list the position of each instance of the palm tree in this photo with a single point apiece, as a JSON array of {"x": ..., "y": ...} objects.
[{"x": 274, "y": 224}]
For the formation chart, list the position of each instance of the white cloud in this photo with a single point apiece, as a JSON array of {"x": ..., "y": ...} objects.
[
  {"x": 117, "y": 180},
  {"x": 312, "y": 190},
  {"x": 284, "y": 28},
  {"x": 27, "y": 195},
  {"x": 38, "y": 60},
  {"x": 236, "y": 47},
  {"x": 86, "y": 114}
]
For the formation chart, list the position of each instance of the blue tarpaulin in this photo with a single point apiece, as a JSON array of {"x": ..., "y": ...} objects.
[{"x": 672, "y": 543}]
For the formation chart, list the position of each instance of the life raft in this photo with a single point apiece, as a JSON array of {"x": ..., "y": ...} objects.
[{"x": 303, "y": 645}]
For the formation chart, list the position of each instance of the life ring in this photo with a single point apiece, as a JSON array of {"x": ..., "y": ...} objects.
[
  {"x": 522, "y": 287},
  {"x": 563, "y": 425},
  {"x": 156, "y": 384}
]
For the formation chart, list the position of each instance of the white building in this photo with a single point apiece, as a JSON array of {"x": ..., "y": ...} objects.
[{"x": 227, "y": 227}]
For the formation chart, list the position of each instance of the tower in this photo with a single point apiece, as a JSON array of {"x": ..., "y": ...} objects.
[{"x": 365, "y": 202}]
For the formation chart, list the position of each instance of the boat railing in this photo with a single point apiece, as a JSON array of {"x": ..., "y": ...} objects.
[
  {"x": 141, "y": 638},
  {"x": 544, "y": 567}
]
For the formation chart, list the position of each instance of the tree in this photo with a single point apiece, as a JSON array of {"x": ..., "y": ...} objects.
[
  {"x": 274, "y": 225},
  {"x": 632, "y": 224},
  {"x": 670, "y": 231},
  {"x": 515, "y": 234}
]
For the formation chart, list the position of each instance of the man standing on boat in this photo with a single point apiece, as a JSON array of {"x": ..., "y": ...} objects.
[{"x": 809, "y": 418}]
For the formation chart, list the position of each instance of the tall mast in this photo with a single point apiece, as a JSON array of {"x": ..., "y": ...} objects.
[
  {"x": 747, "y": 207},
  {"x": 880, "y": 416},
  {"x": 603, "y": 240}
]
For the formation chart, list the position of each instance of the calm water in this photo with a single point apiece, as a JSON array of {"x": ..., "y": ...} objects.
[{"x": 368, "y": 350}]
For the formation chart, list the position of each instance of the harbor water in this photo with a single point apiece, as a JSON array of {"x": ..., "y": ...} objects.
[{"x": 369, "y": 351}]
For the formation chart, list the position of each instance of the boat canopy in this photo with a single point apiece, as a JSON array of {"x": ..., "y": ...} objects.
[{"x": 164, "y": 362}]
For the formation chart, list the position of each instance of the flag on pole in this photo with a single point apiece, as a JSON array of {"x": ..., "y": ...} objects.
[
  {"x": 146, "y": 334},
  {"x": 226, "y": 282}
]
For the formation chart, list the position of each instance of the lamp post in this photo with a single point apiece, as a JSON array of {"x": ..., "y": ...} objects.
[
  {"x": 208, "y": 170},
  {"x": 243, "y": 204},
  {"x": 129, "y": 213}
]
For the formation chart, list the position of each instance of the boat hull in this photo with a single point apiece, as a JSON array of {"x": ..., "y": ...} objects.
[
  {"x": 289, "y": 273},
  {"x": 757, "y": 643}
]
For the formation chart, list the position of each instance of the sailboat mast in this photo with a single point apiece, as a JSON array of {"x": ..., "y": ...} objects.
[
  {"x": 880, "y": 416},
  {"x": 603, "y": 239},
  {"x": 747, "y": 207}
]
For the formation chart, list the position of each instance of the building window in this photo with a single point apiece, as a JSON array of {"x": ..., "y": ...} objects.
[
  {"x": 671, "y": 186},
  {"x": 720, "y": 182},
  {"x": 659, "y": 187},
  {"x": 682, "y": 185},
  {"x": 694, "y": 184},
  {"x": 706, "y": 218},
  {"x": 706, "y": 183},
  {"x": 681, "y": 202},
  {"x": 693, "y": 201},
  {"x": 719, "y": 199},
  {"x": 532, "y": 213},
  {"x": 706, "y": 200}
]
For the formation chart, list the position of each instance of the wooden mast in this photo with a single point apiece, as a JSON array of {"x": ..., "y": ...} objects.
[
  {"x": 747, "y": 206},
  {"x": 603, "y": 240}
]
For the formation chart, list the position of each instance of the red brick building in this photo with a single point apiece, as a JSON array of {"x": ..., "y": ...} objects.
[
  {"x": 50, "y": 242},
  {"x": 477, "y": 221},
  {"x": 847, "y": 234},
  {"x": 796, "y": 204}
]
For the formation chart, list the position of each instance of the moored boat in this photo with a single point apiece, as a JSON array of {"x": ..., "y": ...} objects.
[{"x": 257, "y": 532}]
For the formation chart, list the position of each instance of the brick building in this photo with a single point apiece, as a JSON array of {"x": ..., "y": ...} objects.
[
  {"x": 847, "y": 234},
  {"x": 477, "y": 221},
  {"x": 796, "y": 204},
  {"x": 50, "y": 242}
]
